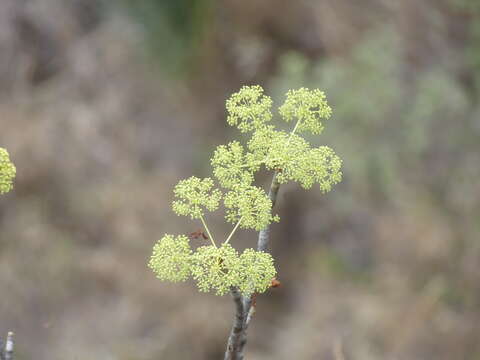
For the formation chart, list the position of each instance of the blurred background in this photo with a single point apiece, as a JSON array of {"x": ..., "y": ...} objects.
[{"x": 105, "y": 105}]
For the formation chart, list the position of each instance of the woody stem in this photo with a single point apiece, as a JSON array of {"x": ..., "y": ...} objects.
[{"x": 243, "y": 304}]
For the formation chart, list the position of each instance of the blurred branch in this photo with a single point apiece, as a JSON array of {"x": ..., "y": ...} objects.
[
  {"x": 338, "y": 350},
  {"x": 7, "y": 352}
]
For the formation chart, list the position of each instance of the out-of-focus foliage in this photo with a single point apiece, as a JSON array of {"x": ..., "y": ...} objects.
[
  {"x": 174, "y": 30},
  {"x": 7, "y": 172},
  {"x": 388, "y": 263},
  {"x": 385, "y": 131}
]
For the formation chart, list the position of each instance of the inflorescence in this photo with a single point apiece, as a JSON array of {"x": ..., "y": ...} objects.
[
  {"x": 7, "y": 172},
  {"x": 290, "y": 156}
]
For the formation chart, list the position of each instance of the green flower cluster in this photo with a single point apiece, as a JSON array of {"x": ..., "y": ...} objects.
[
  {"x": 7, "y": 172},
  {"x": 249, "y": 109},
  {"x": 246, "y": 205},
  {"x": 250, "y": 206},
  {"x": 288, "y": 153},
  {"x": 194, "y": 195},
  {"x": 307, "y": 107},
  {"x": 214, "y": 268},
  {"x": 171, "y": 258},
  {"x": 295, "y": 159},
  {"x": 232, "y": 167}
]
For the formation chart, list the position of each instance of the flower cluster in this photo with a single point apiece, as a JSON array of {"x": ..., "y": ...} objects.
[
  {"x": 249, "y": 109},
  {"x": 249, "y": 205},
  {"x": 7, "y": 172},
  {"x": 296, "y": 160},
  {"x": 214, "y": 268},
  {"x": 194, "y": 195},
  {"x": 289, "y": 155},
  {"x": 307, "y": 107},
  {"x": 171, "y": 258},
  {"x": 255, "y": 271},
  {"x": 319, "y": 165},
  {"x": 232, "y": 166}
]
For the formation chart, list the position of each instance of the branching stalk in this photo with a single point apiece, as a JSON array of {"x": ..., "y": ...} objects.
[
  {"x": 293, "y": 132},
  {"x": 208, "y": 231},
  {"x": 233, "y": 231},
  {"x": 238, "y": 338}
]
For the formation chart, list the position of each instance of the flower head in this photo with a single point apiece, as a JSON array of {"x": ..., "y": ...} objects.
[
  {"x": 220, "y": 269},
  {"x": 251, "y": 206},
  {"x": 171, "y": 258},
  {"x": 249, "y": 109},
  {"x": 215, "y": 268},
  {"x": 319, "y": 165},
  {"x": 308, "y": 107},
  {"x": 232, "y": 167},
  {"x": 255, "y": 271},
  {"x": 194, "y": 196},
  {"x": 278, "y": 149}
]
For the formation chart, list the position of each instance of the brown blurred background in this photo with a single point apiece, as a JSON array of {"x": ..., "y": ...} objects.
[{"x": 105, "y": 105}]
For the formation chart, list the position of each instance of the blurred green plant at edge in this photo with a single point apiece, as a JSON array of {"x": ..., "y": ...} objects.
[{"x": 7, "y": 172}]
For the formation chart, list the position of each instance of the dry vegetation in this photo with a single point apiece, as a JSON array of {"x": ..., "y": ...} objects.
[{"x": 384, "y": 267}]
